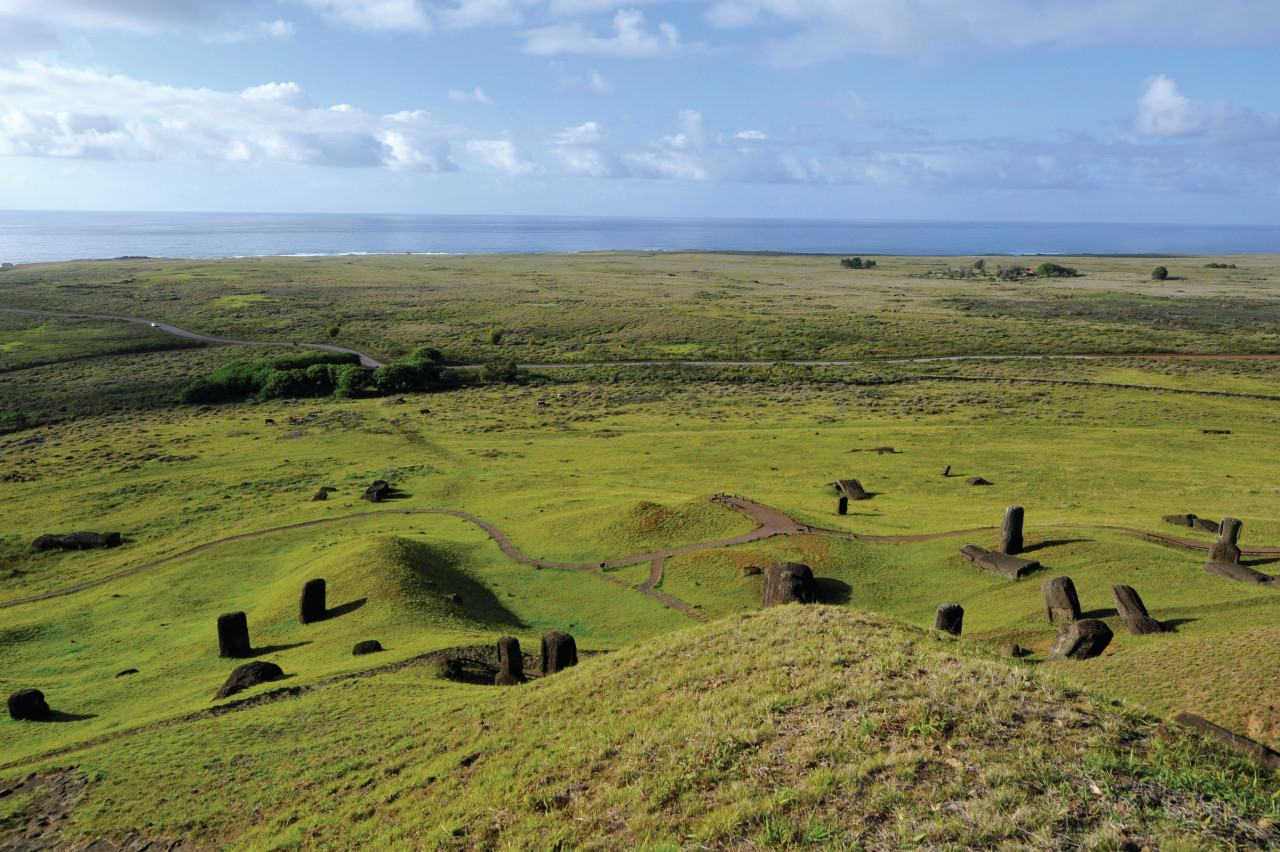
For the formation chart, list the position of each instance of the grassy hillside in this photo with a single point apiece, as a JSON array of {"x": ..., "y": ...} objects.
[
  {"x": 834, "y": 727},
  {"x": 811, "y": 727}
]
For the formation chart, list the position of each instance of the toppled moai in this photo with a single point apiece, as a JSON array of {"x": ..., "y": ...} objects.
[
  {"x": 368, "y": 646},
  {"x": 1000, "y": 564},
  {"x": 250, "y": 674},
  {"x": 76, "y": 541},
  {"x": 1060, "y": 600},
  {"x": 510, "y": 662},
  {"x": 949, "y": 618},
  {"x": 377, "y": 492},
  {"x": 1131, "y": 609},
  {"x": 233, "y": 635},
  {"x": 559, "y": 652},
  {"x": 1080, "y": 640},
  {"x": 789, "y": 582}
]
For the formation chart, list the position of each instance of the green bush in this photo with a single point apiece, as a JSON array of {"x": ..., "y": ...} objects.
[
  {"x": 1159, "y": 273},
  {"x": 1049, "y": 269},
  {"x": 290, "y": 376}
]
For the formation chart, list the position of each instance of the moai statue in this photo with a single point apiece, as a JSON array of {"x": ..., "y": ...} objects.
[
  {"x": 789, "y": 582},
  {"x": 949, "y": 618},
  {"x": 1011, "y": 531},
  {"x": 312, "y": 606},
  {"x": 510, "y": 662},
  {"x": 233, "y": 635},
  {"x": 1130, "y": 607},
  {"x": 1060, "y": 601},
  {"x": 559, "y": 651},
  {"x": 1225, "y": 548}
]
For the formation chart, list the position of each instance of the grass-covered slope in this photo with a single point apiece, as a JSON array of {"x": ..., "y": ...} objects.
[{"x": 797, "y": 727}]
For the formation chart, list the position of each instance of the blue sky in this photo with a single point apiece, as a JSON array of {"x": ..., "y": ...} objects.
[{"x": 983, "y": 110}]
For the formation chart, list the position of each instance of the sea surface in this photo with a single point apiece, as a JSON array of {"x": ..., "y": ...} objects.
[{"x": 31, "y": 237}]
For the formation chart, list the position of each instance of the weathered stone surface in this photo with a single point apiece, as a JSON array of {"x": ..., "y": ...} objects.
[
  {"x": 842, "y": 506},
  {"x": 1012, "y": 649},
  {"x": 1205, "y": 525},
  {"x": 250, "y": 674},
  {"x": 977, "y": 480},
  {"x": 852, "y": 489},
  {"x": 28, "y": 705},
  {"x": 751, "y": 570},
  {"x": 312, "y": 605},
  {"x": 1060, "y": 600},
  {"x": 1000, "y": 564},
  {"x": 559, "y": 651},
  {"x": 368, "y": 646},
  {"x": 1225, "y": 548},
  {"x": 1256, "y": 750},
  {"x": 510, "y": 662},
  {"x": 377, "y": 492},
  {"x": 1131, "y": 609},
  {"x": 1181, "y": 520},
  {"x": 320, "y": 495},
  {"x": 1236, "y": 571},
  {"x": 1080, "y": 640},
  {"x": 949, "y": 618},
  {"x": 789, "y": 582},
  {"x": 233, "y": 635},
  {"x": 76, "y": 541},
  {"x": 1011, "y": 531}
]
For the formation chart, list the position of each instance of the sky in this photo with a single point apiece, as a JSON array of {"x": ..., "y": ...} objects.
[{"x": 1154, "y": 111}]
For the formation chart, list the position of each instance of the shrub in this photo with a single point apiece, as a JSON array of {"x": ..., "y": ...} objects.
[
  {"x": 1159, "y": 273},
  {"x": 495, "y": 335},
  {"x": 857, "y": 263},
  {"x": 334, "y": 330},
  {"x": 1049, "y": 269}
]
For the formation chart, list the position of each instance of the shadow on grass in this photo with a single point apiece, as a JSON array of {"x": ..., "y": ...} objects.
[
  {"x": 275, "y": 649},
  {"x": 1101, "y": 613},
  {"x": 337, "y": 611},
  {"x": 833, "y": 591},
  {"x": 60, "y": 716},
  {"x": 1253, "y": 561},
  {"x": 1053, "y": 542},
  {"x": 1172, "y": 624}
]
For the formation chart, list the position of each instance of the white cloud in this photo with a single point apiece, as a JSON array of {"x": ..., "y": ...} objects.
[
  {"x": 854, "y": 107},
  {"x": 374, "y": 14},
  {"x": 55, "y": 111},
  {"x": 475, "y": 96},
  {"x": 501, "y": 154},
  {"x": 631, "y": 39},
  {"x": 1162, "y": 110},
  {"x": 590, "y": 80},
  {"x": 255, "y": 30}
]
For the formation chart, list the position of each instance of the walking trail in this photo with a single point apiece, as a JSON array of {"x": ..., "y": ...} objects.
[{"x": 770, "y": 522}]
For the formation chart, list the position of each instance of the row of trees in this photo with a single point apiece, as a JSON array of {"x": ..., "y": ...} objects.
[
  {"x": 857, "y": 263},
  {"x": 338, "y": 374}
]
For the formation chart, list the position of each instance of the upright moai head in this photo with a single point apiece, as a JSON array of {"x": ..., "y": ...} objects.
[
  {"x": 510, "y": 662},
  {"x": 559, "y": 652},
  {"x": 1011, "y": 531},
  {"x": 789, "y": 582},
  {"x": 949, "y": 618},
  {"x": 1225, "y": 548},
  {"x": 312, "y": 606},
  {"x": 1060, "y": 601},
  {"x": 233, "y": 635}
]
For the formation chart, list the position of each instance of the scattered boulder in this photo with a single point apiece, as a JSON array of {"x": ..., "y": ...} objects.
[
  {"x": 789, "y": 582},
  {"x": 75, "y": 541},
  {"x": 949, "y": 618},
  {"x": 1013, "y": 649},
  {"x": 1060, "y": 600},
  {"x": 1225, "y": 548},
  {"x": 559, "y": 651},
  {"x": 1000, "y": 564},
  {"x": 510, "y": 662},
  {"x": 751, "y": 570},
  {"x": 1011, "y": 531},
  {"x": 852, "y": 489},
  {"x": 1080, "y": 640},
  {"x": 1267, "y": 757},
  {"x": 233, "y": 635},
  {"x": 368, "y": 646},
  {"x": 312, "y": 606},
  {"x": 320, "y": 495},
  {"x": 842, "y": 507},
  {"x": 1130, "y": 607},
  {"x": 977, "y": 480},
  {"x": 28, "y": 705},
  {"x": 377, "y": 492},
  {"x": 127, "y": 672},
  {"x": 250, "y": 674},
  {"x": 1236, "y": 571}
]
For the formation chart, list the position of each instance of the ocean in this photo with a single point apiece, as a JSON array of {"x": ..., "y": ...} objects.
[{"x": 42, "y": 236}]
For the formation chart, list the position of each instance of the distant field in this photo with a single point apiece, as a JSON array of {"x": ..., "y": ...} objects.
[{"x": 595, "y": 463}]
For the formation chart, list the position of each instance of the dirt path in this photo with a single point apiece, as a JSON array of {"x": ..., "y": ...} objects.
[{"x": 770, "y": 522}]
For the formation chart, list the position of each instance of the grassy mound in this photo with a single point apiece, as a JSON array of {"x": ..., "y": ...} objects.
[{"x": 796, "y": 727}]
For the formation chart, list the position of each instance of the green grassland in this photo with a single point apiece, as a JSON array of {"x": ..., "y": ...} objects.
[{"x": 830, "y": 728}]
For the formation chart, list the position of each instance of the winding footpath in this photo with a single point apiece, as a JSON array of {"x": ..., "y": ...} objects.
[{"x": 770, "y": 522}]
